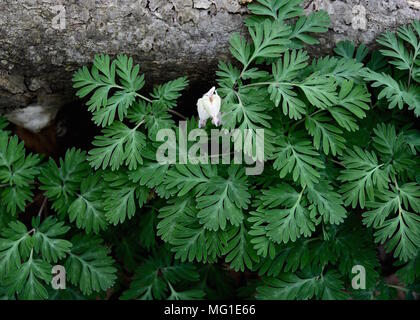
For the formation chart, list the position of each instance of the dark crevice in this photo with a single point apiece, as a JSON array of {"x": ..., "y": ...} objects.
[{"x": 73, "y": 126}]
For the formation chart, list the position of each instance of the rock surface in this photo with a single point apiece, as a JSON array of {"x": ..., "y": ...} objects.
[
  {"x": 363, "y": 20},
  {"x": 43, "y": 43}
]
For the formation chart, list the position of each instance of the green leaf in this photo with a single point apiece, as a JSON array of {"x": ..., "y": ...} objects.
[
  {"x": 326, "y": 203},
  {"x": 339, "y": 68},
  {"x": 16, "y": 168},
  {"x": 297, "y": 155},
  {"x": 240, "y": 48},
  {"x": 47, "y": 241},
  {"x": 117, "y": 104},
  {"x": 245, "y": 110},
  {"x": 87, "y": 210},
  {"x": 119, "y": 145},
  {"x": 395, "y": 93},
  {"x": 154, "y": 116},
  {"x": 270, "y": 39},
  {"x": 223, "y": 200},
  {"x": 347, "y": 49},
  {"x": 120, "y": 197},
  {"x": 408, "y": 34},
  {"x": 192, "y": 294},
  {"x": 109, "y": 97},
  {"x": 16, "y": 198},
  {"x": 146, "y": 284},
  {"x": 175, "y": 213},
  {"x": 276, "y": 196},
  {"x": 315, "y": 22},
  {"x": 227, "y": 75},
  {"x": 280, "y": 10},
  {"x": 320, "y": 91},
  {"x": 3, "y": 123},
  {"x": 402, "y": 59},
  {"x": 344, "y": 118},
  {"x": 186, "y": 178},
  {"x": 181, "y": 228},
  {"x": 17, "y": 173},
  {"x": 284, "y": 225},
  {"x": 160, "y": 274},
  {"x": 281, "y": 91},
  {"x": 61, "y": 183},
  {"x": 15, "y": 246},
  {"x": 303, "y": 286},
  {"x": 410, "y": 271},
  {"x": 410, "y": 194},
  {"x": 354, "y": 98},
  {"x": 254, "y": 73},
  {"x": 20, "y": 272},
  {"x": 150, "y": 174},
  {"x": 284, "y": 219},
  {"x": 189, "y": 241},
  {"x": 89, "y": 265},
  {"x": 101, "y": 84},
  {"x": 29, "y": 280},
  {"x": 298, "y": 255},
  {"x": 238, "y": 249},
  {"x": 318, "y": 126},
  {"x": 401, "y": 232},
  {"x": 129, "y": 73},
  {"x": 166, "y": 95},
  {"x": 362, "y": 175},
  {"x": 147, "y": 231}
]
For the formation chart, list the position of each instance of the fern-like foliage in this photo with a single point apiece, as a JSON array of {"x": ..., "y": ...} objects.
[
  {"x": 305, "y": 285},
  {"x": 87, "y": 210},
  {"x": 341, "y": 178},
  {"x": 113, "y": 87},
  {"x": 160, "y": 277},
  {"x": 402, "y": 49},
  {"x": 89, "y": 264},
  {"x": 61, "y": 183},
  {"x": 374, "y": 181},
  {"x": 17, "y": 173},
  {"x": 111, "y": 96},
  {"x": 25, "y": 256}
]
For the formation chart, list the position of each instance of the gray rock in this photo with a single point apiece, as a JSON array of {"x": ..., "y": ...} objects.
[
  {"x": 39, "y": 115},
  {"x": 42, "y": 43}
]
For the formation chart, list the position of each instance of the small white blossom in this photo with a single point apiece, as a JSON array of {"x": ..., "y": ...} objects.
[{"x": 209, "y": 107}]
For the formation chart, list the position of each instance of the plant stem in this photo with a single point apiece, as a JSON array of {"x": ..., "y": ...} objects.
[
  {"x": 44, "y": 202},
  {"x": 271, "y": 83},
  {"x": 170, "y": 110},
  {"x": 338, "y": 162},
  {"x": 303, "y": 119},
  {"x": 143, "y": 97},
  {"x": 398, "y": 287},
  {"x": 138, "y": 125},
  {"x": 177, "y": 114}
]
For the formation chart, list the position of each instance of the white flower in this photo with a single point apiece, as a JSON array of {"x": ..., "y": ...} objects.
[{"x": 209, "y": 107}]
